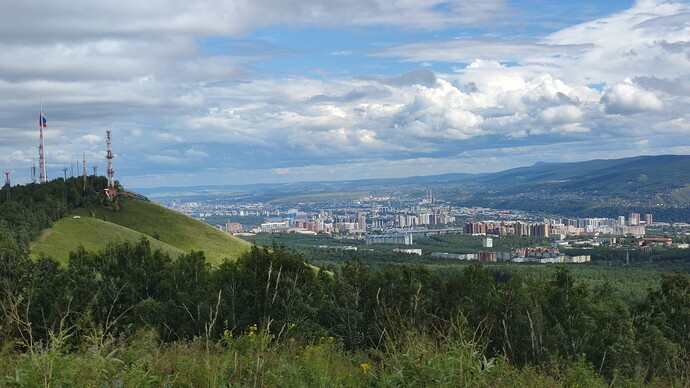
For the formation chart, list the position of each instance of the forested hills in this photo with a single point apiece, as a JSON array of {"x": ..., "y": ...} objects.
[
  {"x": 641, "y": 174},
  {"x": 661, "y": 179}
]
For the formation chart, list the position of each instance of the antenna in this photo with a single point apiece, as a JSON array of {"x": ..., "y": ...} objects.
[
  {"x": 109, "y": 156},
  {"x": 64, "y": 170},
  {"x": 43, "y": 175},
  {"x": 95, "y": 170},
  {"x": 33, "y": 172},
  {"x": 71, "y": 169},
  {"x": 84, "y": 164},
  {"x": 7, "y": 183}
]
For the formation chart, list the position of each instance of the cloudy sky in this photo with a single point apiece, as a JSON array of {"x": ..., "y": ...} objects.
[{"x": 245, "y": 91}]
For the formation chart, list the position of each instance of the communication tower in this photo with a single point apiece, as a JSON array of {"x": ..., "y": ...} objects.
[
  {"x": 64, "y": 170},
  {"x": 33, "y": 172},
  {"x": 83, "y": 156},
  {"x": 95, "y": 170},
  {"x": 43, "y": 175},
  {"x": 109, "y": 156}
]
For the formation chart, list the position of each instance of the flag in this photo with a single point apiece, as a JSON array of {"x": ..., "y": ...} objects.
[{"x": 42, "y": 122}]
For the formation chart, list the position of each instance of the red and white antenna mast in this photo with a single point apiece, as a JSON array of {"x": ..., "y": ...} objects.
[
  {"x": 109, "y": 156},
  {"x": 43, "y": 174}
]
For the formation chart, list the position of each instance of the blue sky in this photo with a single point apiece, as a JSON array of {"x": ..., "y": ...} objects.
[{"x": 217, "y": 92}]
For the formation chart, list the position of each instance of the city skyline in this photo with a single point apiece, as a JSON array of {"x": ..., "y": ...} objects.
[{"x": 269, "y": 91}]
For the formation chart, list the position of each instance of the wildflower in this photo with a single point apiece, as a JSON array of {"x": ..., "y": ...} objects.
[
  {"x": 227, "y": 334},
  {"x": 252, "y": 330},
  {"x": 365, "y": 368}
]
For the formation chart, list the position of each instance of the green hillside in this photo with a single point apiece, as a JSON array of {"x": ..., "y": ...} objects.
[
  {"x": 171, "y": 231},
  {"x": 92, "y": 233}
]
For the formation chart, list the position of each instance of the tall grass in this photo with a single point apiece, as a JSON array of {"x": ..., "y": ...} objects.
[{"x": 259, "y": 358}]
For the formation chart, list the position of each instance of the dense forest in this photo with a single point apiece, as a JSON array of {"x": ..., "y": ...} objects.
[
  {"x": 133, "y": 315},
  {"x": 33, "y": 207}
]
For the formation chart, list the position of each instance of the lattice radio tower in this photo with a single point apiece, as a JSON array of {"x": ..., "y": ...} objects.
[
  {"x": 83, "y": 160},
  {"x": 43, "y": 174},
  {"x": 95, "y": 170},
  {"x": 33, "y": 172},
  {"x": 109, "y": 156}
]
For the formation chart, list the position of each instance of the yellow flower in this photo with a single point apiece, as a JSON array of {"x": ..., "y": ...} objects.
[{"x": 365, "y": 368}]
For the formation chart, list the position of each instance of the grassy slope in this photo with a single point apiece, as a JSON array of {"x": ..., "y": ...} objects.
[
  {"x": 93, "y": 233},
  {"x": 175, "y": 231}
]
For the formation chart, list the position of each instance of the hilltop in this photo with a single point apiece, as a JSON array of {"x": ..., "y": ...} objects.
[{"x": 172, "y": 232}]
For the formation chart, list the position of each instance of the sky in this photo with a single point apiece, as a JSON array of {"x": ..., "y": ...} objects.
[{"x": 215, "y": 92}]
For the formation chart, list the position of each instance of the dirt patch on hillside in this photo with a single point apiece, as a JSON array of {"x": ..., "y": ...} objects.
[
  {"x": 45, "y": 235},
  {"x": 41, "y": 239}
]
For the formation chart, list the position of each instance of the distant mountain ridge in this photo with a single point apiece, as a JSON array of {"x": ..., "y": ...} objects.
[
  {"x": 597, "y": 188},
  {"x": 650, "y": 173},
  {"x": 665, "y": 176}
]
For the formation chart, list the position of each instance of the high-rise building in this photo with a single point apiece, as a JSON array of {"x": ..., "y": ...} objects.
[
  {"x": 540, "y": 230},
  {"x": 233, "y": 227},
  {"x": 522, "y": 229},
  {"x": 648, "y": 219},
  {"x": 362, "y": 221},
  {"x": 633, "y": 219}
]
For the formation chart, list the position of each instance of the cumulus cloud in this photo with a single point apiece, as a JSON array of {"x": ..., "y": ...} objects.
[
  {"x": 628, "y": 98},
  {"x": 440, "y": 111},
  {"x": 561, "y": 114}
]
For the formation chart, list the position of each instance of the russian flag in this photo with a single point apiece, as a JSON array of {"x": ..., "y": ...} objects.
[{"x": 42, "y": 122}]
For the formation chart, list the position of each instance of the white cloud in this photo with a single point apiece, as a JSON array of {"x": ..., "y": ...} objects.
[
  {"x": 628, "y": 98},
  {"x": 561, "y": 114},
  {"x": 570, "y": 128}
]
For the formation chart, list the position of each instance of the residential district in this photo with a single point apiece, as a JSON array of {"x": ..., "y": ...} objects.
[{"x": 398, "y": 221}]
